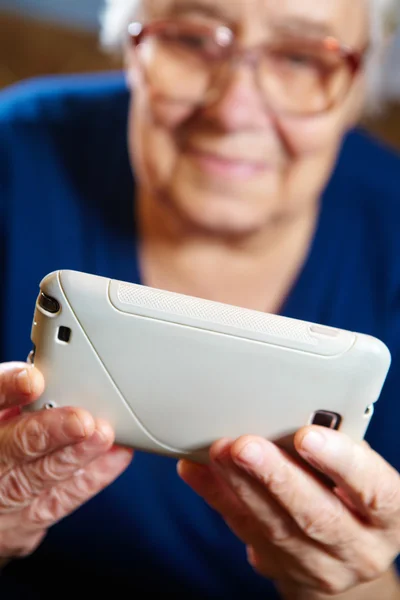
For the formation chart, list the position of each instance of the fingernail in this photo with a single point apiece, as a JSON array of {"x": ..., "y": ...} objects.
[
  {"x": 122, "y": 455},
  {"x": 98, "y": 438},
  {"x": 75, "y": 427},
  {"x": 103, "y": 434},
  {"x": 197, "y": 470},
  {"x": 24, "y": 383},
  {"x": 313, "y": 442},
  {"x": 250, "y": 555},
  {"x": 251, "y": 454}
]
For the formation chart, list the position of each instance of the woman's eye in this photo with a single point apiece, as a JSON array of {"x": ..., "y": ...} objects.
[
  {"x": 201, "y": 46},
  {"x": 306, "y": 61},
  {"x": 300, "y": 60},
  {"x": 195, "y": 42},
  {"x": 181, "y": 41}
]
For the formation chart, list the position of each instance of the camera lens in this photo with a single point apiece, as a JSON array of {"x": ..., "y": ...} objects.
[{"x": 49, "y": 304}]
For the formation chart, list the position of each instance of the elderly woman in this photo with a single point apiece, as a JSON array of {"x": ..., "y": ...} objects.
[{"x": 227, "y": 165}]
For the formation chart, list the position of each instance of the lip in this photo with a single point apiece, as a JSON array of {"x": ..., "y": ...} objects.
[{"x": 222, "y": 166}]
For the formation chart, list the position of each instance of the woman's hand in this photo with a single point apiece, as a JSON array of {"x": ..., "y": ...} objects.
[
  {"x": 51, "y": 462},
  {"x": 298, "y": 531}
]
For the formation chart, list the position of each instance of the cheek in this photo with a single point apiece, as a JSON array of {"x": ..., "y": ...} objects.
[
  {"x": 319, "y": 136},
  {"x": 323, "y": 135},
  {"x": 155, "y": 131},
  {"x": 313, "y": 146},
  {"x": 152, "y": 138}
]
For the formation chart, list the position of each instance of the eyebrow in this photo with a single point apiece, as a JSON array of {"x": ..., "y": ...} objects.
[
  {"x": 289, "y": 25},
  {"x": 304, "y": 26},
  {"x": 206, "y": 8}
]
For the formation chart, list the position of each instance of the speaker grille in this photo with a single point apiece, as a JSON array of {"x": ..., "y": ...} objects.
[{"x": 213, "y": 312}]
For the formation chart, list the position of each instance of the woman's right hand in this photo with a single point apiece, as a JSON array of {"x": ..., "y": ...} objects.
[{"x": 51, "y": 461}]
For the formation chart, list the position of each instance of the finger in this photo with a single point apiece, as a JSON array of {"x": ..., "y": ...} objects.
[
  {"x": 15, "y": 543},
  {"x": 327, "y": 525},
  {"x": 306, "y": 564},
  {"x": 64, "y": 498},
  {"x": 281, "y": 547},
  {"x": 305, "y": 576},
  {"x": 31, "y": 436},
  {"x": 211, "y": 487},
  {"x": 21, "y": 485},
  {"x": 276, "y": 524},
  {"x": 208, "y": 484},
  {"x": 269, "y": 537},
  {"x": 371, "y": 484},
  {"x": 20, "y": 384},
  {"x": 10, "y": 413},
  {"x": 322, "y": 521}
]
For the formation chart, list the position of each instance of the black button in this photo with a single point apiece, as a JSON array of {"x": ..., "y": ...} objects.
[
  {"x": 325, "y": 418},
  {"x": 64, "y": 334}
]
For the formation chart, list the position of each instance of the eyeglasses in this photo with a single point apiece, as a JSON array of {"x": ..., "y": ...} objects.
[{"x": 191, "y": 63}]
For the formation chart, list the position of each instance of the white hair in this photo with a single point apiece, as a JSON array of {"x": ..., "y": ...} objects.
[
  {"x": 115, "y": 18},
  {"x": 117, "y": 15}
]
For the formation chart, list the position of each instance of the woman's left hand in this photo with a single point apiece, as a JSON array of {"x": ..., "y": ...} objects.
[{"x": 298, "y": 531}]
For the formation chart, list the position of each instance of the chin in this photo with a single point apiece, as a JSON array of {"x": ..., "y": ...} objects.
[{"x": 218, "y": 215}]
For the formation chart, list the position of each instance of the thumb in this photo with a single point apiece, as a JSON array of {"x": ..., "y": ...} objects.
[{"x": 20, "y": 384}]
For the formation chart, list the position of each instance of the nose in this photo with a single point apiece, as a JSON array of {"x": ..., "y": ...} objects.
[{"x": 237, "y": 102}]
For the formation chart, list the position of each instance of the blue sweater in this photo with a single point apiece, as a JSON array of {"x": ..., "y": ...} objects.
[{"x": 66, "y": 201}]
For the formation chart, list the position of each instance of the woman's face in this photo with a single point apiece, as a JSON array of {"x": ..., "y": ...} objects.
[{"x": 239, "y": 162}]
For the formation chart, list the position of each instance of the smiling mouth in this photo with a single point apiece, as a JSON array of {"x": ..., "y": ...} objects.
[{"x": 223, "y": 166}]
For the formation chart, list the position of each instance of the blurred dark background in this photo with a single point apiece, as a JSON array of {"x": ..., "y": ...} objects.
[{"x": 61, "y": 36}]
